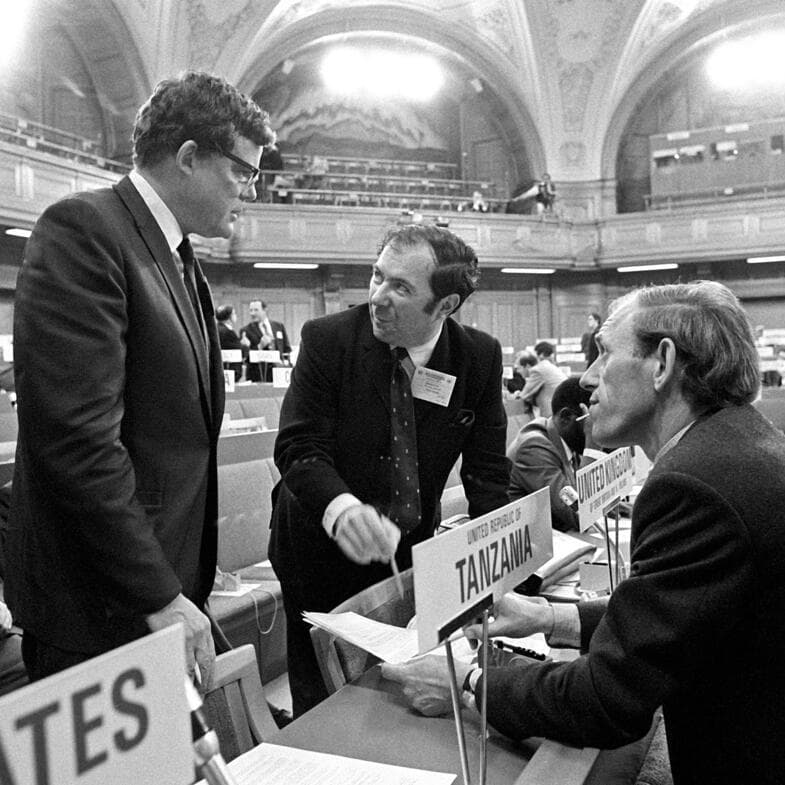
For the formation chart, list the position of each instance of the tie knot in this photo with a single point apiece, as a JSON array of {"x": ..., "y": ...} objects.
[{"x": 400, "y": 354}]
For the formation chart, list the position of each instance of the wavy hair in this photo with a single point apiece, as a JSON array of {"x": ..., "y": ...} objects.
[{"x": 712, "y": 334}]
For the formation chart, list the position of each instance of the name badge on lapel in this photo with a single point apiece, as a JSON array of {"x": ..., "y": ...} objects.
[{"x": 432, "y": 386}]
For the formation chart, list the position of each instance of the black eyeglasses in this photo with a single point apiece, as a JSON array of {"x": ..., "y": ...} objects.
[{"x": 251, "y": 172}]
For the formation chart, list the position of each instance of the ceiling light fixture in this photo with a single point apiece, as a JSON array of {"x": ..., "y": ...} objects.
[
  {"x": 765, "y": 259},
  {"x": 284, "y": 266},
  {"x": 17, "y": 232},
  {"x": 645, "y": 268},
  {"x": 529, "y": 270}
]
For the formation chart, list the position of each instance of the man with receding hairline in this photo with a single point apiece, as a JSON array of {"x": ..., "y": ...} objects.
[
  {"x": 333, "y": 527},
  {"x": 698, "y": 627}
]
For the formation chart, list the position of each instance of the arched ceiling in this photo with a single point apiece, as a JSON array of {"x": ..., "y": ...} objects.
[{"x": 567, "y": 73}]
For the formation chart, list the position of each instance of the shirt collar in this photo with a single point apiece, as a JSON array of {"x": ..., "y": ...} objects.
[
  {"x": 164, "y": 217},
  {"x": 673, "y": 441},
  {"x": 421, "y": 354}
]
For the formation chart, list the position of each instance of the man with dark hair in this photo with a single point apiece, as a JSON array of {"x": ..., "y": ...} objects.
[
  {"x": 544, "y": 377},
  {"x": 262, "y": 333},
  {"x": 113, "y": 520},
  {"x": 547, "y": 452},
  {"x": 677, "y": 372},
  {"x": 354, "y": 409}
]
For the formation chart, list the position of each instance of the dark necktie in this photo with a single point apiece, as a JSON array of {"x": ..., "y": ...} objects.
[
  {"x": 189, "y": 279},
  {"x": 404, "y": 474}
]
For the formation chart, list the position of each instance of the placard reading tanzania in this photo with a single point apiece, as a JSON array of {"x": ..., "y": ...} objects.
[
  {"x": 121, "y": 717},
  {"x": 491, "y": 554},
  {"x": 603, "y": 482}
]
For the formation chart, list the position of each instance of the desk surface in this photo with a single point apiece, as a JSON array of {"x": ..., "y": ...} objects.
[{"x": 369, "y": 719}]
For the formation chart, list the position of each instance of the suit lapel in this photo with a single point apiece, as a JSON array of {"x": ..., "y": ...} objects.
[
  {"x": 376, "y": 361},
  {"x": 556, "y": 441},
  {"x": 156, "y": 243}
]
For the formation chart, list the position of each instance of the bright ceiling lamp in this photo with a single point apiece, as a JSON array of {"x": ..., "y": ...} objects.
[
  {"x": 16, "y": 232},
  {"x": 284, "y": 266},
  {"x": 12, "y": 30},
  {"x": 529, "y": 270},
  {"x": 757, "y": 61},
  {"x": 645, "y": 268},
  {"x": 765, "y": 259},
  {"x": 381, "y": 73}
]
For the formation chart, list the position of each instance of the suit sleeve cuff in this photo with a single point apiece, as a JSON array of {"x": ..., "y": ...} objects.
[
  {"x": 566, "y": 632},
  {"x": 334, "y": 509}
]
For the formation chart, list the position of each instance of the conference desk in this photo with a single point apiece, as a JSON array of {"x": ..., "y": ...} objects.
[{"x": 370, "y": 719}]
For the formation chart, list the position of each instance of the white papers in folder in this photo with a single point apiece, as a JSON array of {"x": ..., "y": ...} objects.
[
  {"x": 385, "y": 641},
  {"x": 388, "y": 643}
]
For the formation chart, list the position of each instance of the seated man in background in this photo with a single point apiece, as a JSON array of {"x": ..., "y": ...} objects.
[
  {"x": 698, "y": 627},
  {"x": 547, "y": 452},
  {"x": 544, "y": 377}
]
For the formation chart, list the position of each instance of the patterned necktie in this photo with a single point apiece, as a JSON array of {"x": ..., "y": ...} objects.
[
  {"x": 189, "y": 279},
  {"x": 404, "y": 473}
]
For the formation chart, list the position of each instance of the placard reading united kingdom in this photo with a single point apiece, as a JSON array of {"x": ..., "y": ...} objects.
[
  {"x": 603, "y": 482},
  {"x": 489, "y": 555}
]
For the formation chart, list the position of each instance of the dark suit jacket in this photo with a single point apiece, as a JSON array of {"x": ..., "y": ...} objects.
[
  {"x": 539, "y": 461},
  {"x": 114, "y": 494},
  {"x": 698, "y": 627},
  {"x": 280, "y": 344},
  {"x": 228, "y": 339},
  {"x": 335, "y": 438}
]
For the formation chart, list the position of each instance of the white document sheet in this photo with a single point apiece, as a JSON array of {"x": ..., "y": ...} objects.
[
  {"x": 290, "y": 766},
  {"x": 388, "y": 643}
]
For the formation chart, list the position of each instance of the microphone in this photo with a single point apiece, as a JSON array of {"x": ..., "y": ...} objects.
[
  {"x": 207, "y": 752},
  {"x": 569, "y": 497}
]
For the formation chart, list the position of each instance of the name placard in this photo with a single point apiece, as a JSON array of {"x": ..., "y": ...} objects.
[
  {"x": 489, "y": 555},
  {"x": 232, "y": 355},
  {"x": 121, "y": 717},
  {"x": 269, "y": 356},
  {"x": 282, "y": 377},
  {"x": 603, "y": 482}
]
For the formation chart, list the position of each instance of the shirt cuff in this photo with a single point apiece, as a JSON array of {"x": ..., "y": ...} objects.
[
  {"x": 566, "y": 632},
  {"x": 334, "y": 509}
]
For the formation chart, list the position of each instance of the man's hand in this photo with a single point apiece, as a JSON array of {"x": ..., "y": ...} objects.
[
  {"x": 516, "y": 617},
  {"x": 244, "y": 340},
  {"x": 426, "y": 682},
  {"x": 365, "y": 536},
  {"x": 199, "y": 648}
]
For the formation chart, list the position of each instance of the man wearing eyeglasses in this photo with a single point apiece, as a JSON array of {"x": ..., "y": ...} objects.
[{"x": 120, "y": 388}]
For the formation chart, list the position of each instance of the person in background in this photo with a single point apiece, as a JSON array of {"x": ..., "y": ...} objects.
[
  {"x": 546, "y": 195},
  {"x": 588, "y": 342},
  {"x": 228, "y": 338},
  {"x": 524, "y": 361},
  {"x": 113, "y": 521},
  {"x": 264, "y": 334},
  {"x": 341, "y": 510},
  {"x": 698, "y": 627},
  {"x": 547, "y": 452},
  {"x": 544, "y": 377}
]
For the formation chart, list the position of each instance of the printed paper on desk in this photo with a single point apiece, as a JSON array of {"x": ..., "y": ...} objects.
[
  {"x": 491, "y": 554},
  {"x": 291, "y": 766},
  {"x": 601, "y": 483},
  {"x": 432, "y": 386}
]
